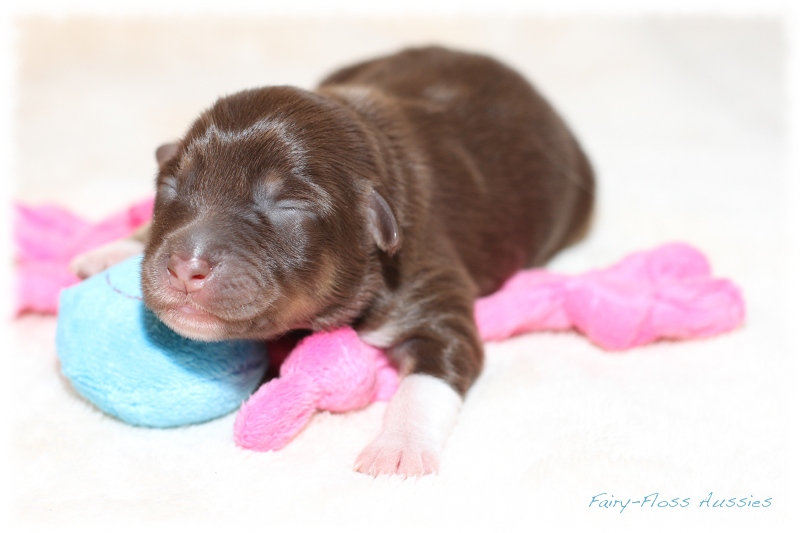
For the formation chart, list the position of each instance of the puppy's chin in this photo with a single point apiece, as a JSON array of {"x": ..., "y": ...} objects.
[
  {"x": 200, "y": 325},
  {"x": 194, "y": 324}
]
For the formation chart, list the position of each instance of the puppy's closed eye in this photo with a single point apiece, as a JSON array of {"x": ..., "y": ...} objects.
[
  {"x": 293, "y": 204},
  {"x": 167, "y": 189},
  {"x": 285, "y": 207},
  {"x": 279, "y": 201}
]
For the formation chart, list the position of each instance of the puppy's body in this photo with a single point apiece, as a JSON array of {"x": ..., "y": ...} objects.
[{"x": 390, "y": 198}]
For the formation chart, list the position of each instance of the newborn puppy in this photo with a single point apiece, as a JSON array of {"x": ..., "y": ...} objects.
[{"x": 390, "y": 198}]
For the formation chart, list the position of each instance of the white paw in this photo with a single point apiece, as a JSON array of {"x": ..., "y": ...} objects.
[
  {"x": 416, "y": 424},
  {"x": 398, "y": 455},
  {"x": 95, "y": 261}
]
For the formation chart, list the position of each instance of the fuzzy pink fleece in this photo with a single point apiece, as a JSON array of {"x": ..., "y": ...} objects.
[
  {"x": 664, "y": 293},
  {"x": 48, "y": 237}
]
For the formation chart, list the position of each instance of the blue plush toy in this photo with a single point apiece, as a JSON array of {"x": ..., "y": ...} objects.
[{"x": 120, "y": 357}]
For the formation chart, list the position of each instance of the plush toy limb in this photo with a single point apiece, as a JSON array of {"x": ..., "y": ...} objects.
[
  {"x": 694, "y": 310},
  {"x": 618, "y": 319},
  {"x": 665, "y": 293},
  {"x": 673, "y": 261},
  {"x": 332, "y": 371},
  {"x": 276, "y": 412},
  {"x": 49, "y": 237},
  {"x": 532, "y": 300}
]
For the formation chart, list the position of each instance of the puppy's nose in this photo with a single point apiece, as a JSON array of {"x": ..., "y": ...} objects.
[{"x": 187, "y": 275}]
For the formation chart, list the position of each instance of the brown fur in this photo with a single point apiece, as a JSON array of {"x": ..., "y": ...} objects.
[{"x": 274, "y": 188}]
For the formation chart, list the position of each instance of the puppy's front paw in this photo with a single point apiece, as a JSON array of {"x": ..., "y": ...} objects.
[
  {"x": 415, "y": 426},
  {"x": 95, "y": 261},
  {"x": 398, "y": 454}
]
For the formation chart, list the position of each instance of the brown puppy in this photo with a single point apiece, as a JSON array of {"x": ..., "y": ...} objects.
[{"x": 389, "y": 199}]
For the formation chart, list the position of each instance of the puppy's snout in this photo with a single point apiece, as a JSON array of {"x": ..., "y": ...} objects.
[{"x": 188, "y": 275}]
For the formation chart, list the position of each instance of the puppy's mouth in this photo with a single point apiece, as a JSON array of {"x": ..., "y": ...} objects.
[
  {"x": 191, "y": 315},
  {"x": 194, "y": 323}
]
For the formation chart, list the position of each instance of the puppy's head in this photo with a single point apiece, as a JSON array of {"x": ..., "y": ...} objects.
[{"x": 267, "y": 218}]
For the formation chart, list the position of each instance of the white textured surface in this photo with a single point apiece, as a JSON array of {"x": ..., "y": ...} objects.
[{"x": 685, "y": 120}]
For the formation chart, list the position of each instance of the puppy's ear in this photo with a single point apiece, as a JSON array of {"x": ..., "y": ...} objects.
[
  {"x": 165, "y": 152},
  {"x": 382, "y": 224}
]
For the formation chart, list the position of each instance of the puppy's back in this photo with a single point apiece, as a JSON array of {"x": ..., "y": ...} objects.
[{"x": 509, "y": 183}]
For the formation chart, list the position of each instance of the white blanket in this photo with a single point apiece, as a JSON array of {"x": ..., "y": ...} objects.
[{"x": 685, "y": 122}]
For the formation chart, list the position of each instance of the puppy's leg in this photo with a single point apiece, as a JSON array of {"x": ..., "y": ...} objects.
[
  {"x": 95, "y": 261},
  {"x": 438, "y": 341}
]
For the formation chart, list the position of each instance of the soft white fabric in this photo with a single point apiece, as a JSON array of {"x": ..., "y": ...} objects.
[{"x": 685, "y": 121}]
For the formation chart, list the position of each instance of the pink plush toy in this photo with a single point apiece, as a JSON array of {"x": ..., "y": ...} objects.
[
  {"x": 666, "y": 293},
  {"x": 48, "y": 237},
  {"x": 331, "y": 371}
]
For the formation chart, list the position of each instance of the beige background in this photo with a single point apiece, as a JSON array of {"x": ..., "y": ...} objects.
[{"x": 684, "y": 121}]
